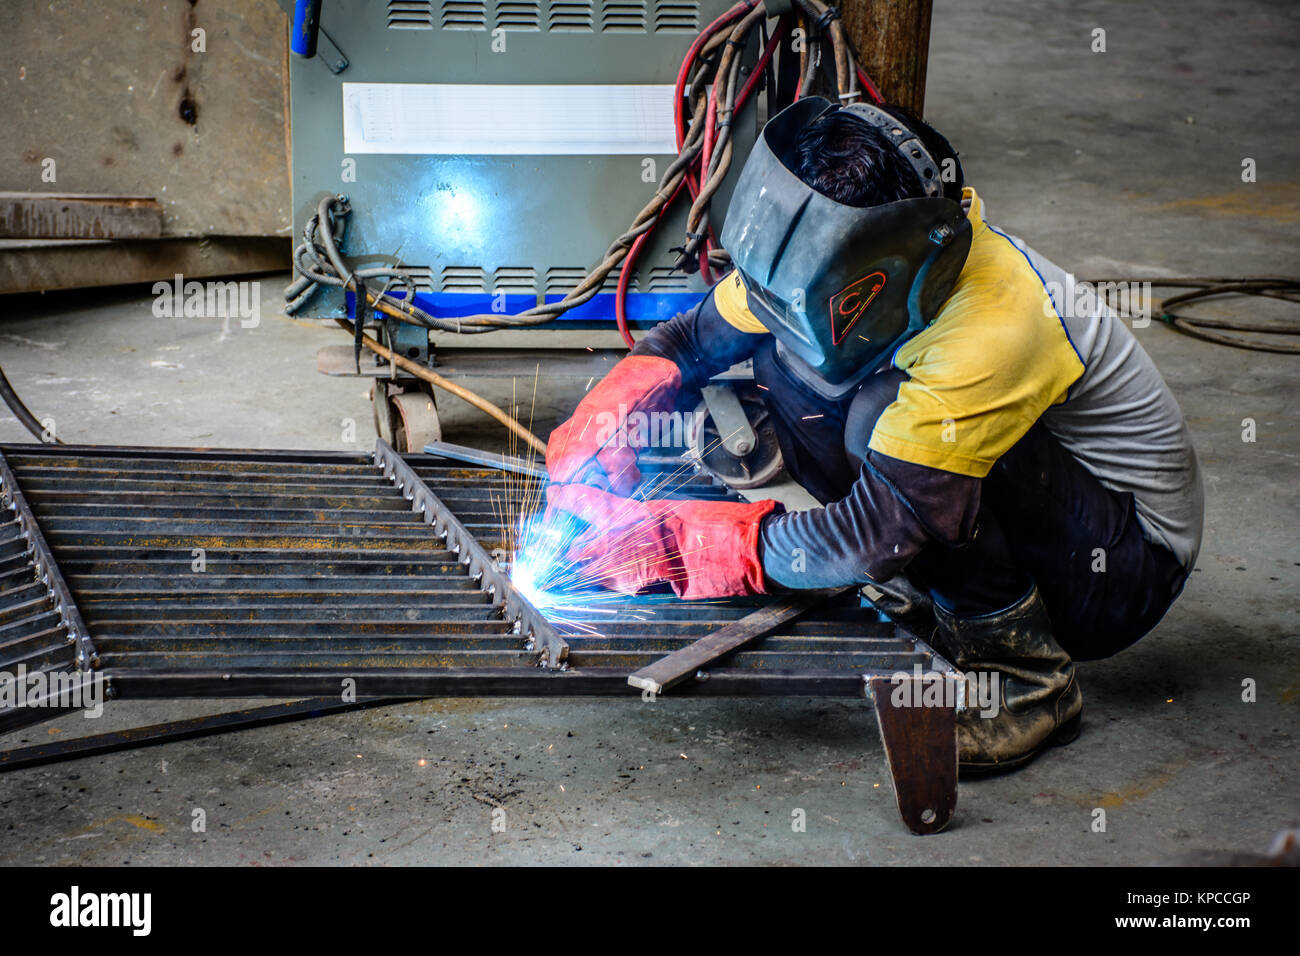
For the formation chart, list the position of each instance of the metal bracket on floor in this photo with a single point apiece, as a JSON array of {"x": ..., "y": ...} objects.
[
  {"x": 920, "y": 742},
  {"x": 537, "y": 630},
  {"x": 50, "y": 575}
]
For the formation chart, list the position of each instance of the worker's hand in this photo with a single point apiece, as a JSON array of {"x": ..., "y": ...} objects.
[
  {"x": 702, "y": 549},
  {"x": 594, "y": 446}
]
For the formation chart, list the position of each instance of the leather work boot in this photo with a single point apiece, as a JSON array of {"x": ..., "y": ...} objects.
[{"x": 1039, "y": 703}]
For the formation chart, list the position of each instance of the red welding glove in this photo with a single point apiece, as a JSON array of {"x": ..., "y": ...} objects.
[
  {"x": 594, "y": 445},
  {"x": 703, "y": 549}
]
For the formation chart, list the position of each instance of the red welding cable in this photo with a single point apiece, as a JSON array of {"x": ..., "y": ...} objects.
[
  {"x": 683, "y": 74},
  {"x": 692, "y": 184},
  {"x": 869, "y": 86},
  {"x": 620, "y": 294},
  {"x": 706, "y": 152},
  {"x": 783, "y": 27},
  {"x": 734, "y": 13}
]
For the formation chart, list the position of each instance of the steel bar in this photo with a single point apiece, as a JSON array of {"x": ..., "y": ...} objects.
[
  {"x": 487, "y": 459},
  {"x": 545, "y": 639},
  {"x": 155, "y": 734},
  {"x": 48, "y": 569},
  {"x": 679, "y": 665},
  {"x": 516, "y": 681}
]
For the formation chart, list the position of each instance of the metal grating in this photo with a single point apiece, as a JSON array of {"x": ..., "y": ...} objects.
[
  {"x": 31, "y": 630},
  {"x": 190, "y": 560},
  {"x": 202, "y": 573}
]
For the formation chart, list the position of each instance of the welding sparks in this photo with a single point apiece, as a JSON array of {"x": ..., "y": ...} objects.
[{"x": 538, "y": 550}]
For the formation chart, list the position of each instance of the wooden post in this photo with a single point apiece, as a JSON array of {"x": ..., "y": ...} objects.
[{"x": 892, "y": 38}]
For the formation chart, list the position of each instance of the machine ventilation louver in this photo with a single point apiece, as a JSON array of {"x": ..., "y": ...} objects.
[
  {"x": 515, "y": 280},
  {"x": 676, "y": 16},
  {"x": 560, "y": 280},
  {"x": 570, "y": 16},
  {"x": 664, "y": 279},
  {"x": 464, "y": 15},
  {"x": 410, "y": 15},
  {"x": 519, "y": 15},
  {"x": 623, "y": 16},
  {"x": 470, "y": 279}
]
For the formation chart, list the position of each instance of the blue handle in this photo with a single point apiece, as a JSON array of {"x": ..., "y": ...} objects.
[{"x": 306, "y": 26}]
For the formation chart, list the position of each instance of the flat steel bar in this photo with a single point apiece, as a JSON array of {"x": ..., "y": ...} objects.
[
  {"x": 170, "y": 453},
  {"x": 137, "y": 737},
  {"x": 474, "y": 456},
  {"x": 50, "y": 575},
  {"x": 536, "y": 628},
  {"x": 679, "y": 665},
  {"x": 464, "y": 682}
]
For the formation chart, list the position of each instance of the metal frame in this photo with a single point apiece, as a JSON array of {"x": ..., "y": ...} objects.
[
  {"x": 124, "y": 519},
  {"x": 48, "y": 569},
  {"x": 517, "y": 608}
]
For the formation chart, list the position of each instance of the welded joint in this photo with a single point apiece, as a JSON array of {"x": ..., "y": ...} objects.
[
  {"x": 538, "y": 633},
  {"x": 85, "y": 655},
  {"x": 928, "y": 668}
]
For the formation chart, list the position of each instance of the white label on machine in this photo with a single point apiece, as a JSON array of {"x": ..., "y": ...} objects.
[{"x": 479, "y": 119}]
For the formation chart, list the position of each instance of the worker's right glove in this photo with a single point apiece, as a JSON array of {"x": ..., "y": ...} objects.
[
  {"x": 702, "y": 549},
  {"x": 594, "y": 447}
]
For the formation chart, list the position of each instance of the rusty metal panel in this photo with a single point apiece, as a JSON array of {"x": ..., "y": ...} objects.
[{"x": 125, "y": 98}]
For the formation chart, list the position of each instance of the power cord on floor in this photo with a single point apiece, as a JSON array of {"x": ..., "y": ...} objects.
[
  {"x": 1286, "y": 288},
  {"x": 23, "y": 413}
]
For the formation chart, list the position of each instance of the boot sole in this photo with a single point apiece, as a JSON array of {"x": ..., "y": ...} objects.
[{"x": 1065, "y": 734}]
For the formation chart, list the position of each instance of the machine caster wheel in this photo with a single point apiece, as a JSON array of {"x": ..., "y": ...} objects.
[
  {"x": 404, "y": 417},
  {"x": 751, "y": 469}
]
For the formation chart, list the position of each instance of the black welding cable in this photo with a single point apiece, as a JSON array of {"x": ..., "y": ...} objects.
[
  {"x": 1286, "y": 288},
  {"x": 22, "y": 412}
]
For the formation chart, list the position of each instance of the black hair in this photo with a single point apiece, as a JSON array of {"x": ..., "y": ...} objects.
[{"x": 846, "y": 158}]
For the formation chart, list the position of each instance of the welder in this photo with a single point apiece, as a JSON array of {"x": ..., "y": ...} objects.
[{"x": 1003, "y": 469}]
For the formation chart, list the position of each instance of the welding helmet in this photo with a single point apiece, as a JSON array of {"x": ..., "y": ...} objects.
[{"x": 841, "y": 287}]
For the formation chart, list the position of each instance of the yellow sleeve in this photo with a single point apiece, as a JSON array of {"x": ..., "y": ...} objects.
[
  {"x": 729, "y": 297},
  {"x": 995, "y": 358}
]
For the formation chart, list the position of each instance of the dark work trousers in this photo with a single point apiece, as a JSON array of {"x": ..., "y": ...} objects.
[{"x": 1044, "y": 519}]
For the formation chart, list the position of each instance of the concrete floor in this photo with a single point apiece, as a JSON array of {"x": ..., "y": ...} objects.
[{"x": 1123, "y": 162}]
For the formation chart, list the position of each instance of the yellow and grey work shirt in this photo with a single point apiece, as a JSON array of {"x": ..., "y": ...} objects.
[{"x": 1020, "y": 341}]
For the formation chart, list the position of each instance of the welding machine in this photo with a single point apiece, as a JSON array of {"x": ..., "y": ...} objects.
[{"x": 493, "y": 148}]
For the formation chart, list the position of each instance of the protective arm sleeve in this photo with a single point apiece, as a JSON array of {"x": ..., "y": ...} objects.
[
  {"x": 894, "y": 509},
  {"x": 701, "y": 342}
]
